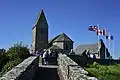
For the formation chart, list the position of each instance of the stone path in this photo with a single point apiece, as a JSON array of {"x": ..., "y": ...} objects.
[
  {"x": 49, "y": 66},
  {"x": 47, "y": 72}
]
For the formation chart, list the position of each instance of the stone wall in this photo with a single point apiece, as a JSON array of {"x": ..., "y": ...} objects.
[
  {"x": 70, "y": 70},
  {"x": 23, "y": 71},
  {"x": 82, "y": 61}
]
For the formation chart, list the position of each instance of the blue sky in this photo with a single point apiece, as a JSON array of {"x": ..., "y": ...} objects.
[{"x": 70, "y": 16}]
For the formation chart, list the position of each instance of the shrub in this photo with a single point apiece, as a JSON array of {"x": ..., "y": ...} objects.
[
  {"x": 105, "y": 72},
  {"x": 95, "y": 65},
  {"x": 3, "y": 60},
  {"x": 10, "y": 65},
  {"x": 17, "y": 53}
]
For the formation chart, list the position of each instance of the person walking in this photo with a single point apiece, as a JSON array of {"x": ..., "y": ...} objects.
[
  {"x": 72, "y": 52},
  {"x": 45, "y": 57}
]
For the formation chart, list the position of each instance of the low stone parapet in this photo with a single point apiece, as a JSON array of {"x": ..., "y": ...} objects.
[
  {"x": 70, "y": 70},
  {"x": 23, "y": 71}
]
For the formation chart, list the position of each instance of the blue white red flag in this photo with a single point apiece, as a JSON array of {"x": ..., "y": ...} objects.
[{"x": 109, "y": 37}]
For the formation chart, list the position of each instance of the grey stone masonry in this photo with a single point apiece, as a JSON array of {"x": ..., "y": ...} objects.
[
  {"x": 23, "y": 71},
  {"x": 70, "y": 70}
]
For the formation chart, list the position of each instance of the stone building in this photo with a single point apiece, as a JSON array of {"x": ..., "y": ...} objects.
[
  {"x": 99, "y": 49},
  {"x": 61, "y": 43},
  {"x": 40, "y": 37},
  {"x": 40, "y": 33}
]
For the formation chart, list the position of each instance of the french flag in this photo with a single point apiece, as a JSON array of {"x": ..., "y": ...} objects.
[{"x": 109, "y": 37}]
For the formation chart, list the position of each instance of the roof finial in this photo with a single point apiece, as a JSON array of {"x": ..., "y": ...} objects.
[
  {"x": 40, "y": 17},
  {"x": 42, "y": 12}
]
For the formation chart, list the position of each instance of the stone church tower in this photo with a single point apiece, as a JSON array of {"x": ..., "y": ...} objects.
[{"x": 40, "y": 33}]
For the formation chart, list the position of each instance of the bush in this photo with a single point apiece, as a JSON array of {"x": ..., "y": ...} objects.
[
  {"x": 95, "y": 65},
  {"x": 105, "y": 72},
  {"x": 12, "y": 57},
  {"x": 10, "y": 65},
  {"x": 3, "y": 60},
  {"x": 18, "y": 51}
]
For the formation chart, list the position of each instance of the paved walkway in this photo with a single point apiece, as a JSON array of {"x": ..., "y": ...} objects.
[
  {"x": 47, "y": 72},
  {"x": 49, "y": 66}
]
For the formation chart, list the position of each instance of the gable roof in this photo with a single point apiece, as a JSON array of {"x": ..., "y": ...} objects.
[
  {"x": 40, "y": 17},
  {"x": 93, "y": 48},
  {"x": 62, "y": 37},
  {"x": 54, "y": 47},
  {"x": 51, "y": 40}
]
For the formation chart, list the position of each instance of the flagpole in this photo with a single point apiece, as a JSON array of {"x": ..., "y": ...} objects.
[
  {"x": 109, "y": 38},
  {"x": 98, "y": 41},
  {"x": 112, "y": 47},
  {"x": 105, "y": 42}
]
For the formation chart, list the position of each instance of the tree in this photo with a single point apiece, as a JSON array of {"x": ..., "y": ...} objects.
[
  {"x": 18, "y": 50},
  {"x": 3, "y": 60},
  {"x": 13, "y": 56}
]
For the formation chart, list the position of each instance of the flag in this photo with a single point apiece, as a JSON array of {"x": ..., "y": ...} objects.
[
  {"x": 93, "y": 28},
  {"x": 109, "y": 37},
  {"x": 104, "y": 32},
  {"x": 99, "y": 32}
]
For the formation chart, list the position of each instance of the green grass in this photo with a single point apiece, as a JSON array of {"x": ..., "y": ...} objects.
[{"x": 105, "y": 72}]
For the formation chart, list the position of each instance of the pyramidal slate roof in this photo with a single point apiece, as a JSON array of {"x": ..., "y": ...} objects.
[{"x": 40, "y": 17}]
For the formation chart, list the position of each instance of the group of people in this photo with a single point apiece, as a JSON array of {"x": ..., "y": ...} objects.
[
  {"x": 34, "y": 53},
  {"x": 47, "y": 54},
  {"x": 72, "y": 52},
  {"x": 87, "y": 54}
]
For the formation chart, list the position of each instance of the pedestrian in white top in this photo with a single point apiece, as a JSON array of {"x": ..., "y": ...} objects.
[{"x": 45, "y": 57}]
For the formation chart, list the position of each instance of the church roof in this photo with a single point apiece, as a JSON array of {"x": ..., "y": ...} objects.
[
  {"x": 40, "y": 17},
  {"x": 62, "y": 37},
  {"x": 93, "y": 48},
  {"x": 54, "y": 47}
]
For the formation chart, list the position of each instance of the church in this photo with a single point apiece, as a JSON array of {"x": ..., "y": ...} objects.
[{"x": 61, "y": 43}]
